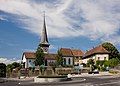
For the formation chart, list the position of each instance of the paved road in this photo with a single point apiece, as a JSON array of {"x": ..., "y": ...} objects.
[{"x": 83, "y": 81}]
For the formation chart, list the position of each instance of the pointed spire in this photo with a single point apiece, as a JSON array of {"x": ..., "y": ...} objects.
[{"x": 44, "y": 38}]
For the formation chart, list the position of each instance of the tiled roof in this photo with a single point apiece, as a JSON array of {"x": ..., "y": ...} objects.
[
  {"x": 96, "y": 50},
  {"x": 66, "y": 52},
  {"x": 31, "y": 55},
  {"x": 50, "y": 56},
  {"x": 77, "y": 52}
]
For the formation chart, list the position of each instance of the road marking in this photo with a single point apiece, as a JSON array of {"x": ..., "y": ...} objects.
[{"x": 107, "y": 83}]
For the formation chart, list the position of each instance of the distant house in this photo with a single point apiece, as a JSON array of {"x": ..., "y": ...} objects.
[
  {"x": 78, "y": 54},
  {"x": 97, "y": 53}
]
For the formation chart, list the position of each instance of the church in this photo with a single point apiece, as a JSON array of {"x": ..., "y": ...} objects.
[
  {"x": 28, "y": 58},
  {"x": 70, "y": 57}
]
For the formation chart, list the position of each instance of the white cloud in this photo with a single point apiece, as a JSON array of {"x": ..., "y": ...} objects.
[
  {"x": 95, "y": 19},
  {"x": 8, "y": 61},
  {"x": 2, "y": 18}
]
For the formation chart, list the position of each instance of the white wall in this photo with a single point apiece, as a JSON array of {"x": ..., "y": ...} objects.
[
  {"x": 31, "y": 62},
  {"x": 24, "y": 60},
  {"x": 28, "y": 62},
  {"x": 102, "y": 56},
  {"x": 71, "y": 60},
  {"x": 85, "y": 60},
  {"x": 95, "y": 57}
]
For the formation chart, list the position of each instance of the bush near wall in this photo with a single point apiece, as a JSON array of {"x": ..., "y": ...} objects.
[
  {"x": 63, "y": 71},
  {"x": 113, "y": 71}
]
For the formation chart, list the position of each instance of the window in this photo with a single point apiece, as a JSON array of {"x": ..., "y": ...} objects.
[
  {"x": 69, "y": 61},
  {"x": 98, "y": 58},
  {"x": 104, "y": 58},
  {"x": 77, "y": 57},
  {"x": 64, "y": 61}
]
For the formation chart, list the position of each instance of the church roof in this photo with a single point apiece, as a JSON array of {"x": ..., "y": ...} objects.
[
  {"x": 77, "y": 52},
  {"x": 71, "y": 52},
  {"x": 31, "y": 55},
  {"x": 97, "y": 50},
  {"x": 50, "y": 56},
  {"x": 66, "y": 52}
]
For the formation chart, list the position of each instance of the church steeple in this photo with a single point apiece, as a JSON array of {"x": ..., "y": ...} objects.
[{"x": 44, "y": 39}]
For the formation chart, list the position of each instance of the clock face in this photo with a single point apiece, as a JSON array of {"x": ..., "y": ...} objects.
[{"x": 46, "y": 49}]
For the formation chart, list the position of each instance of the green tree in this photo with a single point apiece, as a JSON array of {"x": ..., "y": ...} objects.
[
  {"x": 90, "y": 62},
  {"x": 16, "y": 65},
  {"x": 100, "y": 63},
  {"x": 114, "y": 62},
  {"x": 59, "y": 58},
  {"x": 39, "y": 60},
  {"x": 13, "y": 66},
  {"x": 2, "y": 70},
  {"x": 107, "y": 63},
  {"x": 112, "y": 50}
]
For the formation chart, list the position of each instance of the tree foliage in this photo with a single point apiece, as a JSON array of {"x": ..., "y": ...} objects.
[
  {"x": 13, "y": 66},
  {"x": 110, "y": 63},
  {"x": 39, "y": 56},
  {"x": 2, "y": 70},
  {"x": 100, "y": 63},
  {"x": 112, "y": 50},
  {"x": 114, "y": 62},
  {"x": 59, "y": 58},
  {"x": 90, "y": 62},
  {"x": 16, "y": 65}
]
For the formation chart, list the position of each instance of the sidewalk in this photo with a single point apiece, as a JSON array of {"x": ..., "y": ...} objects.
[
  {"x": 88, "y": 75},
  {"x": 17, "y": 79}
]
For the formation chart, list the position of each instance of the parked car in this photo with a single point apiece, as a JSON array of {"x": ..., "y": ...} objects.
[{"x": 94, "y": 72}]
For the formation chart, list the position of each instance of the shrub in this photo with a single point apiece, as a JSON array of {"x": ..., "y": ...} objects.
[{"x": 113, "y": 72}]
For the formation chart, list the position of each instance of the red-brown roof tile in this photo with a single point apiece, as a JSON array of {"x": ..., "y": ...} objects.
[
  {"x": 66, "y": 52},
  {"x": 98, "y": 49},
  {"x": 77, "y": 52},
  {"x": 29, "y": 55},
  {"x": 50, "y": 56}
]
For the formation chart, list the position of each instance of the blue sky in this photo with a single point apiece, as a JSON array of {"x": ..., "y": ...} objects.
[{"x": 79, "y": 24}]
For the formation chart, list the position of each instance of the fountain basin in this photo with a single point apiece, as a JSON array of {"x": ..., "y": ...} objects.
[{"x": 46, "y": 79}]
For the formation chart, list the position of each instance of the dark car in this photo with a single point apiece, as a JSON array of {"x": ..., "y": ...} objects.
[{"x": 94, "y": 72}]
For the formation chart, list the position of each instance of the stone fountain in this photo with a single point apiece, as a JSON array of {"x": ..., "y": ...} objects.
[{"x": 49, "y": 76}]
